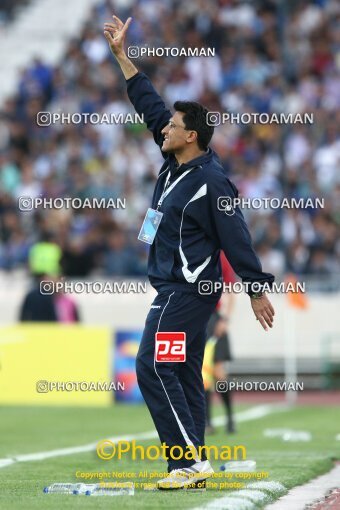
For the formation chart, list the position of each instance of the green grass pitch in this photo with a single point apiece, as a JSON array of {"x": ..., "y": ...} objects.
[{"x": 33, "y": 429}]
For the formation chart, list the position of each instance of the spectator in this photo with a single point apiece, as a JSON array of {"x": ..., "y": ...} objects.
[
  {"x": 38, "y": 307},
  {"x": 249, "y": 73}
]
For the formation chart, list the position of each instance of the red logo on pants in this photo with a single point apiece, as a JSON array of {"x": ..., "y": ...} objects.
[{"x": 170, "y": 346}]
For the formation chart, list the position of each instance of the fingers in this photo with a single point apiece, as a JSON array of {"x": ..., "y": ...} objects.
[
  {"x": 271, "y": 308},
  {"x": 121, "y": 26},
  {"x": 110, "y": 26},
  {"x": 263, "y": 322},
  {"x": 264, "y": 312},
  {"x": 110, "y": 31},
  {"x": 126, "y": 26},
  {"x": 118, "y": 21},
  {"x": 108, "y": 37},
  {"x": 268, "y": 318},
  {"x": 117, "y": 28},
  {"x": 265, "y": 317}
]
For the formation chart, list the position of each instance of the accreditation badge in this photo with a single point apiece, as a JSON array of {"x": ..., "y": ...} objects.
[{"x": 150, "y": 226}]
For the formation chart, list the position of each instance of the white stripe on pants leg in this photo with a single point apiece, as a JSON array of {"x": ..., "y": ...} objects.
[{"x": 180, "y": 424}]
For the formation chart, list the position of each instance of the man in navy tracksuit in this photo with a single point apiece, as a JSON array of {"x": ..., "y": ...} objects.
[{"x": 184, "y": 252}]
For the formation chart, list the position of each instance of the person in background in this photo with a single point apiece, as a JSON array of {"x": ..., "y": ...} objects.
[
  {"x": 38, "y": 307},
  {"x": 45, "y": 256},
  {"x": 217, "y": 353},
  {"x": 65, "y": 307},
  {"x": 44, "y": 264},
  {"x": 43, "y": 303}
]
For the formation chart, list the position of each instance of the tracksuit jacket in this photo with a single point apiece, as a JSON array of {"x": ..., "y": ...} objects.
[{"x": 187, "y": 246}]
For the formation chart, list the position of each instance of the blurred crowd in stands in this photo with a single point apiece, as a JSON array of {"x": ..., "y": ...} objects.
[
  {"x": 10, "y": 8},
  {"x": 271, "y": 56}
]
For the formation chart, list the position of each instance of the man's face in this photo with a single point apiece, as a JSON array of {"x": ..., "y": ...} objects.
[{"x": 175, "y": 135}]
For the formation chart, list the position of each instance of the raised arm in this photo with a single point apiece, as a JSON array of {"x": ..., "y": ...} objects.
[
  {"x": 115, "y": 34},
  {"x": 140, "y": 90}
]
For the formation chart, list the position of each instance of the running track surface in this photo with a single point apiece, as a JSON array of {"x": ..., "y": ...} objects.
[{"x": 308, "y": 398}]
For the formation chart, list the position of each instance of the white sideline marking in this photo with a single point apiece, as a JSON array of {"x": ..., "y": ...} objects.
[
  {"x": 251, "y": 414},
  {"x": 275, "y": 432},
  {"x": 271, "y": 486},
  {"x": 254, "y": 413},
  {"x": 288, "y": 434},
  {"x": 227, "y": 503},
  {"x": 257, "y": 496},
  {"x": 6, "y": 462},
  {"x": 28, "y": 457}
]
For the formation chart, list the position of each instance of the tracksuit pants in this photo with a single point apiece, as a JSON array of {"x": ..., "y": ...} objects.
[{"x": 173, "y": 391}]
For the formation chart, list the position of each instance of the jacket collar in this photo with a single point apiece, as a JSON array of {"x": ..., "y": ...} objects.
[{"x": 174, "y": 168}]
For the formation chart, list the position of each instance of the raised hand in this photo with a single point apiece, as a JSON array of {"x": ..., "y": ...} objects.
[{"x": 115, "y": 33}]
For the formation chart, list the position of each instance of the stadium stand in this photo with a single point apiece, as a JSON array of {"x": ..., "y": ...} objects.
[{"x": 270, "y": 57}]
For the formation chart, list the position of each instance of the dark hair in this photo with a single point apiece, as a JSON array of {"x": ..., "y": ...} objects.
[{"x": 195, "y": 118}]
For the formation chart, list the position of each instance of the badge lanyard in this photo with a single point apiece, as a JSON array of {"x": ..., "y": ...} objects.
[
  {"x": 167, "y": 189},
  {"x": 153, "y": 217}
]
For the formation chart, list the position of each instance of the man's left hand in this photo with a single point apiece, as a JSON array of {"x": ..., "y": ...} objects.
[{"x": 264, "y": 311}]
